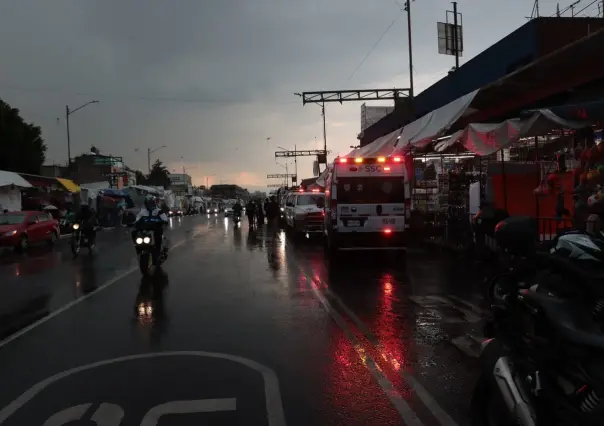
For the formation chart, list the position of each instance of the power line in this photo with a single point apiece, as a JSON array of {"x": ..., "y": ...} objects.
[
  {"x": 374, "y": 46},
  {"x": 588, "y": 6}
]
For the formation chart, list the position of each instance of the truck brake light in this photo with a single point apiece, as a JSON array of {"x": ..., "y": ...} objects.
[
  {"x": 358, "y": 160},
  {"x": 387, "y": 231},
  {"x": 397, "y": 159},
  {"x": 343, "y": 160},
  {"x": 381, "y": 159}
]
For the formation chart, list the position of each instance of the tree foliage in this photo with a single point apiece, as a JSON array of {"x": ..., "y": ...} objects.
[
  {"x": 141, "y": 179},
  {"x": 21, "y": 145},
  {"x": 159, "y": 175}
]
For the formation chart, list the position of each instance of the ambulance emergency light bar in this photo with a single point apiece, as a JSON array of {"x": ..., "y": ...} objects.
[{"x": 373, "y": 160}]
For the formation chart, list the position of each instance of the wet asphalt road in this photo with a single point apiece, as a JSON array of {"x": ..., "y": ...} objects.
[{"x": 239, "y": 328}]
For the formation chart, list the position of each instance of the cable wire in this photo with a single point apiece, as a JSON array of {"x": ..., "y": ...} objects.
[{"x": 374, "y": 46}]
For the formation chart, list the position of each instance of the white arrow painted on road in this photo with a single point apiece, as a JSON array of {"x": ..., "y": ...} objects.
[
  {"x": 188, "y": 407},
  {"x": 105, "y": 415}
]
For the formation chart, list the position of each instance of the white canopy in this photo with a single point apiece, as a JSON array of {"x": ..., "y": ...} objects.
[
  {"x": 432, "y": 125},
  {"x": 421, "y": 131},
  {"x": 323, "y": 176},
  {"x": 487, "y": 138},
  {"x": 384, "y": 146},
  {"x": 11, "y": 178}
]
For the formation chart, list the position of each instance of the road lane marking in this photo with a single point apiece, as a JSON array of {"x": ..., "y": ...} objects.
[
  {"x": 71, "y": 414},
  {"x": 187, "y": 407},
  {"x": 274, "y": 406},
  {"x": 397, "y": 400},
  {"x": 81, "y": 299},
  {"x": 429, "y": 401}
]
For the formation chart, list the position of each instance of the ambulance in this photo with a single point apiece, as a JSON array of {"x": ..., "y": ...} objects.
[{"x": 367, "y": 204}]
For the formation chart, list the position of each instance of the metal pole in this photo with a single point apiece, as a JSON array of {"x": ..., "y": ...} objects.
[
  {"x": 149, "y": 160},
  {"x": 455, "y": 34},
  {"x": 411, "y": 92},
  {"x": 296, "y": 162},
  {"x": 324, "y": 129},
  {"x": 68, "y": 136}
]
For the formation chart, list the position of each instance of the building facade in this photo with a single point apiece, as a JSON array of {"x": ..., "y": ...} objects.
[
  {"x": 181, "y": 184},
  {"x": 90, "y": 168}
]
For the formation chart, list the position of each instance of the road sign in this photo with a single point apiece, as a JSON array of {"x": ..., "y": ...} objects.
[{"x": 150, "y": 389}]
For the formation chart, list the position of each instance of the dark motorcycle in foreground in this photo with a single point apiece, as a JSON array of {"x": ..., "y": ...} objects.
[
  {"x": 236, "y": 218},
  {"x": 544, "y": 362},
  {"x": 150, "y": 254},
  {"x": 79, "y": 239}
]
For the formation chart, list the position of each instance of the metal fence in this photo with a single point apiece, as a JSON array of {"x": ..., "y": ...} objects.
[{"x": 455, "y": 230}]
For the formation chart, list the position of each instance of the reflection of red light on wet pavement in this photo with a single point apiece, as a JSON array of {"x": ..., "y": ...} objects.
[{"x": 351, "y": 392}]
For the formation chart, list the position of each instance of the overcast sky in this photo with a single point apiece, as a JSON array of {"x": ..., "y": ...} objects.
[{"x": 213, "y": 79}]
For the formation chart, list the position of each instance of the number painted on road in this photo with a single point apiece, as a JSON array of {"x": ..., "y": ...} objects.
[{"x": 112, "y": 414}]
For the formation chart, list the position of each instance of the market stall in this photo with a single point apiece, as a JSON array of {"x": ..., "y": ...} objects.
[{"x": 11, "y": 185}]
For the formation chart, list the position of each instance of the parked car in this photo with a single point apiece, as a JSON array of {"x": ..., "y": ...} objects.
[{"x": 21, "y": 229}]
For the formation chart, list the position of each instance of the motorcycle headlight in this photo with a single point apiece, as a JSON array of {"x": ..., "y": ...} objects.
[
  {"x": 76, "y": 226},
  {"x": 139, "y": 240},
  {"x": 146, "y": 240},
  {"x": 10, "y": 233}
]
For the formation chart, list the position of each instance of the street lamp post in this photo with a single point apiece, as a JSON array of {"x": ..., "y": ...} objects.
[
  {"x": 68, "y": 112},
  {"x": 149, "y": 152},
  {"x": 208, "y": 179}
]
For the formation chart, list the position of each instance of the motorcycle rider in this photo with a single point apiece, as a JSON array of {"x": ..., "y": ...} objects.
[
  {"x": 86, "y": 217},
  {"x": 151, "y": 210},
  {"x": 237, "y": 209},
  {"x": 250, "y": 211},
  {"x": 272, "y": 214}
]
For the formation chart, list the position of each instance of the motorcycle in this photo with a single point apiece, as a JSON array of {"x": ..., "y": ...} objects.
[
  {"x": 148, "y": 254},
  {"x": 79, "y": 240},
  {"x": 236, "y": 218},
  {"x": 543, "y": 368},
  {"x": 542, "y": 363}
]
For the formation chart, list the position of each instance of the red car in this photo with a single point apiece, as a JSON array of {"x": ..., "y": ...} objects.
[{"x": 21, "y": 229}]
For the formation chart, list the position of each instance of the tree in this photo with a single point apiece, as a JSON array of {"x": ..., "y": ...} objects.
[
  {"x": 141, "y": 179},
  {"x": 159, "y": 175},
  {"x": 21, "y": 144}
]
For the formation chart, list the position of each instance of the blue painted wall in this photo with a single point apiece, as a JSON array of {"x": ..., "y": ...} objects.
[{"x": 514, "y": 51}]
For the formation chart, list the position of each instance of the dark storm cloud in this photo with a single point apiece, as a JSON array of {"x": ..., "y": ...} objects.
[{"x": 212, "y": 79}]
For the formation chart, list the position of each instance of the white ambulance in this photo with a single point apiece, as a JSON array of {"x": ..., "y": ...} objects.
[{"x": 367, "y": 204}]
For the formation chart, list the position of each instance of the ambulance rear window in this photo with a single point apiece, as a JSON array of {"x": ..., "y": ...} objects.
[{"x": 371, "y": 190}]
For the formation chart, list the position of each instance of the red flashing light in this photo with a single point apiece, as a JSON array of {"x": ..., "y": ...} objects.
[
  {"x": 301, "y": 190},
  {"x": 316, "y": 190},
  {"x": 358, "y": 160},
  {"x": 343, "y": 160},
  {"x": 387, "y": 231},
  {"x": 397, "y": 159},
  {"x": 386, "y": 169}
]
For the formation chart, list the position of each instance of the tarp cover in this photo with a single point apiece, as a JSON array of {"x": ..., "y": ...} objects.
[
  {"x": 432, "y": 125},
  {"x": 323, "y": 176},
  {"x": 10, "y": 178},
  {"x": 383, "y": 146},
  {"x": 487, "y": 138}
]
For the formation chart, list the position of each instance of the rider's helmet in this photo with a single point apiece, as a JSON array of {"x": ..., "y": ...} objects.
[{"x": 150, "y": 202}]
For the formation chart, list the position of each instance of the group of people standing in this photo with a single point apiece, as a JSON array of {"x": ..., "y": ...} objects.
[{"x": 256, "y": 211}]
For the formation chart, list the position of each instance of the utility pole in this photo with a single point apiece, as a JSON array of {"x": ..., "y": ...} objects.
[
  {"x": 558, "y": 10},
  {"x": 324, "y": 129},
  {"x": 68, "y": 112},
  {"x": 408, "y": 10},
  {"x": 149, "y": 152},
  {"x": 455, "y": 36}
]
